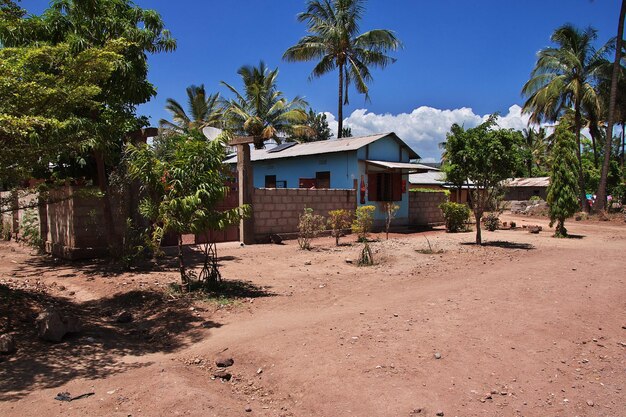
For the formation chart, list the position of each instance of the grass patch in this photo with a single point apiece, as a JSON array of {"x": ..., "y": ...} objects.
[{"x": 429, "y": 250}]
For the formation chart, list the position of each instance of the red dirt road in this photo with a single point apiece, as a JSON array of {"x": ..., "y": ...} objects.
[{"x": 527, "y": 326}]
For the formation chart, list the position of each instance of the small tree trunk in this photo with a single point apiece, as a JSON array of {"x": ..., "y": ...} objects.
[
  {"x": 479, "y": 237},
  {"x": 184, "y": 280},
  {"x": 340, "y": 109},
  {"x": 337, "y": 237},
  {"x": 593, "y": 145},
  {"x": 581, "y": 178}
]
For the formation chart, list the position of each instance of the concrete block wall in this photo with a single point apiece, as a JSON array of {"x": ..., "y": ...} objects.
[
  {"x": 277, "y": 210},
  {"x": 424, "y": 208},
  {"x": 13, "y": 219}
]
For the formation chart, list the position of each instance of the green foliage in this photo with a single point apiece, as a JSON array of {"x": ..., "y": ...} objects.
[
  {"x": 534, "y": 198},
  {"x": 338, "y": 221},
  {"x": 346, "y": 132},
  {"x": 29, "y": 229},
  {"x": 486, "y": 156},
  {"x": 309, "y": 226},
  {"x": 261, "y": 110},
  {"x": 429, "y": 190},
  {"x": 363, "y": 222},
  {"x": 318, "y": 128},
  {"x": 333, "y": 40},
  {"x": 390, "y": 209},
  {"x": 184, "y": 187},
  {"x": 204, "y": 111},
  {"x": 136, "y": 245},
  {"x": 563, "y": 190},
  {"x": 491, "y": 222},
  {"x": 82, "y": 69},
  {"x": 456, "y": 216}
]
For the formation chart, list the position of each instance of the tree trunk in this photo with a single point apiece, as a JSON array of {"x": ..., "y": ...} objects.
[
  {"x": 340, "y": 109},
  {"x": 593, "y": 145},
  {"x": 581, "y": 178},
  {"x": 623, "y": 146},
  {"x": 108, "y": 213},
  {"x": 184, "y": 280},
  {"x": 529, "y": 167},
  {"x": 479, "y": 237},
  {"x": 601, "y": 200}
]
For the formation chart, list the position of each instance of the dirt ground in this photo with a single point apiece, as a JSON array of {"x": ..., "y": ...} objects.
[{"x": 527, "y": 325}]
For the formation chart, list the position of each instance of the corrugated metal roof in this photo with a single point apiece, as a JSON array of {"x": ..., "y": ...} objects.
[
  {"x": 322, "y": 147},
  {"x": 399, "y": 165},
  {"x": 528, "y": 182},
  {"x": 428, "y": 178}
]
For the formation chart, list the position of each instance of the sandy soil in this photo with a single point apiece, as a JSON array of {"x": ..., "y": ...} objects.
[{"x": 527, "y": 325}]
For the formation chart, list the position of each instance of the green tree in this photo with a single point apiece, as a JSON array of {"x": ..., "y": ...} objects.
[
  {"x": 601, "y": 194},
  {"x": 48, "y": 95},
  {"x": 486, "y": 156},
  {"x": 183, "y": 192},
  {"x": 346, "y": 132},
  {"x": 562, "y": 192},
  {"x": 204, "y": 111},
  {"x": 534, "y": 146},
  {"x": 318, "y": 125},
  {"x": 564, "y": 78},
  {"x": 334, "y": 41},
  {"x": 261, "y": 110}
]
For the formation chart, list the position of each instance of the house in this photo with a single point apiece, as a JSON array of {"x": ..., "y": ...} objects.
[
  {"x": 525, "y": 188},
  {"x": 435, "y": 179},
  {"x": 377, "y": 166}
]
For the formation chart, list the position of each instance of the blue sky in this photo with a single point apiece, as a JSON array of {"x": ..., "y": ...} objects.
[{"x": 461, "y": 59}]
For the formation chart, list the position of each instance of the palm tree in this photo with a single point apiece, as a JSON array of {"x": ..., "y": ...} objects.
[
  {"x": 534, "y": 145},
  {"x": 261, "y": 110},
  {"x": 335, "y": 41},
  {"x": 612, "y": 101},
  {"x": 204, "y": 111},
  {"x": 563, "y": 78}
]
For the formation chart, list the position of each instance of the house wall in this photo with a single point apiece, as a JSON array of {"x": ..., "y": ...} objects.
[
  {"x": 424, "y": 208},
  {"x": 277, "y": 211},
  {"x": 525, "y": 193},
  {"x": 342, "y": 166}
]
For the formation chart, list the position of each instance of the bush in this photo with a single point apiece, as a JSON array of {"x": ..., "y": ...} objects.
[
  {"x": 363, "y": 221},
  {"x": 29, "y": 229},
  {"x": 309, "y": 226},
  {"x": 456, "y": 216},
  {"x": 491, "y": 222},
  {"x": 338, "y": 221},
  {"x": 535, "y": 198}
]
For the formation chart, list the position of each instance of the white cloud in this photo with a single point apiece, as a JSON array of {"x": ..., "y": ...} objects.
[{"x": 425, "y": 127}]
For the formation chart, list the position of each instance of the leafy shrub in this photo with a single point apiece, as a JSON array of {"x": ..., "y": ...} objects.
[
  {"x": 309, "y": 226},
  {"x": 456, "y": 216},
  {"x": 338, "y": 221},
  {"x": 363, "y": 221},
  {"x": 535, "y": 198},
  {"x": 491, "y": 222},
  {"x": 366, "y": 258},
  {"x": 29, "y": 229}
]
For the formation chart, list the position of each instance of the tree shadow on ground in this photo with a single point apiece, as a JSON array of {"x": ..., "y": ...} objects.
[
  {"x": 503, "y": 244},
  {"x": 570, "y": 236},
  {"x": 160, "y": 324}
]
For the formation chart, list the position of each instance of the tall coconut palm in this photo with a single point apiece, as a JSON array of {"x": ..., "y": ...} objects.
[
  {"x": 612, "y": 101},
  {"x": 334, "y": 41},
  {"x": 204, "y": 111},
  {"x": 261, "y": 110},
  {"x": 563, "y": 78}
]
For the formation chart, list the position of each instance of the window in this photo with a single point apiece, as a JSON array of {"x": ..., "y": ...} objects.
[
  {"x": 270, "y": 181},
  {"x": 384, "y": 187},
  {"x": 322, "y": 179}
]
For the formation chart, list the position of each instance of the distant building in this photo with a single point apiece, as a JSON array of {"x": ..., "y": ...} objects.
[
  {"x": 377, "y": 166},
  {"x": 525, "y": 188}
]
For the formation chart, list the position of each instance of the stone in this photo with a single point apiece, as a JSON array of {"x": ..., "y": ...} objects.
[
  {"x": 223, "y": 375},
  {"x": 124, "y": 317},
  {"x": 437, "y": 355},
  {"x": 440, "y": 413},
  {"x": 307, "y": 263},
  {"x": 52, "y": 326},
  {"x": 349, "y": 261},
  {"x": 224, "y": 361},
  {"x": 7, "y": 344},
  {"x": 590, "y": 403},
  {"x": 276, "y": 239},
  {"x": 248, "y": 409}
]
